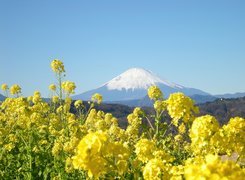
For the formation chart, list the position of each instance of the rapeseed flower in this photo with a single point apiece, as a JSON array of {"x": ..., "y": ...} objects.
[
  {"x": 4, "y": 87},
  {"x": 97, "y": 98},
  {"x": 155, "y": 93},
  {"x": 57, "y": 66},
  {"x": 15, "y": 89}
]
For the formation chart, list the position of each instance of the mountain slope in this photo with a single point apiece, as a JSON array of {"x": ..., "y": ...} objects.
[
  {"x": 223, "y": 109},
  {"x": 235, "y": 95},
  {"x": 133, "y": 84},
  {"x": 2, "y": 97},
  {"x": 146, "y": 102}
]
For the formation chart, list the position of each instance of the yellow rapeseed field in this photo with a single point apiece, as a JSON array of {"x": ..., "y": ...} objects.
[{"x": 44, "y": 140}]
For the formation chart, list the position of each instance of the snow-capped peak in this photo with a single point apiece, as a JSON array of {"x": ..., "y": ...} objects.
[{"x": 136, "y": 78}]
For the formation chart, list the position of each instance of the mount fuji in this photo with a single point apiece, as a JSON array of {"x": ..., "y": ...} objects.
[{"x": 133, "y": 85}]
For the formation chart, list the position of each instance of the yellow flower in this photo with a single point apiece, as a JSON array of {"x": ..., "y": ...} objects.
[
  {"x": 89, "y": 154},
  {"x": 36, "y": 97},
  {"x": 138, "y": 111},
  {"x": 234, "y": 135},
  {"x": 55, "y": 99},
  {"x": 178, "y": 137},
  {"x": 122, "y": 166},
  {"x": 29, "y": 98},
  {"x": 163, "y": 155},
  {"x": 68, "y": 165},
  {"x": 180, "y": 106},
  {"x": 57, "y": 66},
  {"x": 153, "y": 170},
  {"x": 202, "y": 129},
  {"x": 68, "y": 87},
  {"x": 144, "y": 150},
  {"x": 4, "y": 87},
  {"x": 9, "y": 146},
  {"x": 182, "y": 128},
  {"x": 230, "y": 138},
  {"x": 155, "y": 93},
  {"x": 97, "y": 98},
  {"x": 68, "y": 100},
  {"x": 15, "y": 89},
  {"x": 57, "y": 148},
  {"x": 52, "y": 87},
  {"x": 211, "y": 167},
  {"x": 176, "y": 172},
  {"x": 60, "y": 109},
  {"x": 12, "y": 138},
  {"x": 78, "y": 103},
  {"x": 160, "y": 105}
]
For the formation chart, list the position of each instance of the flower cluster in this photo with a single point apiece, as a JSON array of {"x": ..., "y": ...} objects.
[
  {"x": 78, "y": 103},
  {"x": 52, "y": 87},
  {"x": 153, "y": 170},
  {"x": 14, "y": 90},
  {"x": 144, "y": 150},
  {"x": 97, "y": 155},
  {"x": 234, "y": 133},
  {"x": 155, "y": 93},
  {"x": 202, "y": 129},
  {"x": 97, "y": 98},
  {"x": 230, "y": 138},
  {"x": 182, "y": 107},
  {"x": 160, "y": 105},
  {"x": 211, "y": 167},
  {"x": 57, "y": 66},
  {"x": 68, "y": 87},
  {"x": 4, "y": 87},
  {"x": 89, "y": 154}
]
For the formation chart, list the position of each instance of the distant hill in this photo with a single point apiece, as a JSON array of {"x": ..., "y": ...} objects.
[
  {"x": 146, "y": 102},
  {"x": 199, "y": 99},
  {"x": 235, "y": 95},
  {"x": 2, "y": 97},
  {"x": 222, "y": 109}
]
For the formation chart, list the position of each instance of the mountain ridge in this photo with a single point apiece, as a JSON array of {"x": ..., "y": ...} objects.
[
  {"x": 222, "y": 109},
  {"x": 2, "y": 97},
  {"x": 133, "y": 84},
  {"x": 231, "y": 95}
]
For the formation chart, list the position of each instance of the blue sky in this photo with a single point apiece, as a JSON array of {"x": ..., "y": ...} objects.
[{"x": 198, "y": 44}]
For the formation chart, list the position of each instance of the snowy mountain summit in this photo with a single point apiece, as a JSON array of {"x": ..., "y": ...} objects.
[
  {"x": 133, "y": 85},
  {"x": 137, "y": 78}
]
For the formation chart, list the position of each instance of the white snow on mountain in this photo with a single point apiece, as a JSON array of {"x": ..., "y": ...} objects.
[{"x": 137, "y": 78}]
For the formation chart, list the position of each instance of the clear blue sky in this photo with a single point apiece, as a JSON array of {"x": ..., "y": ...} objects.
[{"x": 198, "y": 44}]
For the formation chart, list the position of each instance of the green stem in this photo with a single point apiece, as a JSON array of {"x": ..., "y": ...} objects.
[
  {"x": 238, "y": 158},
  {"x": 149, "y": 122},
  {"x": 91, "y": 106},
  {"x": 60, "y": 87},
  {"x": 30, "y": 155},
  {"x": 167, "y": 129},
  {"x": 157, "y": 128},
  {"x": 157, "y": 121},
  {"x": 6, "y": 93}
]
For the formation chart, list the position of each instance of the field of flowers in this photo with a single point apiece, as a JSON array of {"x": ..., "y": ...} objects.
[{"x": 44, "y": 140}]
